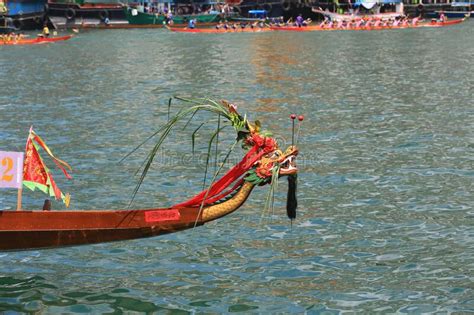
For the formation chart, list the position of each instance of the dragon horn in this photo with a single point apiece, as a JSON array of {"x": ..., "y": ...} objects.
[{"x": 251, "y": 127}]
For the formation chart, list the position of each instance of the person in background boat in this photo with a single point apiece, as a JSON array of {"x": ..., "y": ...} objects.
[
  {"x": 396, "y": 22},
  {"x": 279, "y": 21},
  {"x": 299, "y": 20},
  {"x": 3, "y": 8},
  {"x": 377, "y": 22},
  {"x": 45, "y": 31},
  {"x": 9, "y": 37},
  {"x": 243, "y": 25},
  {"x": 169, "y": 18},
  {"x": 12, "y": 37},
  {"x": 404, "y": 21},
  {"x": 219, "y": 25},
  {"x": 442, "y": 17},
  {"x": 307, "y": 22},
  {"x": 106, "y": 20},
  {"x": 192, "y": 24},
  {"x": 234, "y": 26}
]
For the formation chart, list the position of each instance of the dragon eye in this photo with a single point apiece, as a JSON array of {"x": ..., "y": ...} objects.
[{"x": 276, "y": 154}]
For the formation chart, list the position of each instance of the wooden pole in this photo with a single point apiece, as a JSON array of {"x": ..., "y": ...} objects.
[{"x": 18, "y": 201}]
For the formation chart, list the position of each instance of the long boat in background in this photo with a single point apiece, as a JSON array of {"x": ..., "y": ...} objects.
[
  {"x": 34, "y": 41},
  {"x": 220, "y": 30},
  {"x": 313, "y": 28}
]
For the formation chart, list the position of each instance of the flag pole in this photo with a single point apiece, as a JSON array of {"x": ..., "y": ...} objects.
[
  {"x": 20, "y": 190},
  {"x": 18, "y": 201}
]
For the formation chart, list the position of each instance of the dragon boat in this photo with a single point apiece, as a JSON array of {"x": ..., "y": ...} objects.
[
  {"x": 313, "y": 28},
  {"x": 220, "y": 30},
  {"x": 262, "y": 164},
  {"x": 35, "y": 41}
]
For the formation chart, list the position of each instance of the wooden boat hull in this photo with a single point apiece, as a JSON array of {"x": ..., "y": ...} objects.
[
  {"x": 364, "y": 28},
  {"x": 218, "y": 31},
  {"x": 23, "y": 230},
  {"x": 35, "y": 41}
]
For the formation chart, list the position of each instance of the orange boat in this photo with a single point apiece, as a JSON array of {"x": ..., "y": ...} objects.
[
  {"x": 262, "y": 164},
  {"x": 35, "y": 41},
  {"x": 312, "y": 28},
  {"x": 220, "y": 30}
]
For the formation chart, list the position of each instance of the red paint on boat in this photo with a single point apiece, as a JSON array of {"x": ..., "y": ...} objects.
[{"x": 35, "y": 41}]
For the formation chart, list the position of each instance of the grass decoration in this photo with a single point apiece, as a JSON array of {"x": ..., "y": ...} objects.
[
  {"x": 208, "y": 156},
  {"x": 221, "y": 108},
  {"x": 269, "y": 202}
]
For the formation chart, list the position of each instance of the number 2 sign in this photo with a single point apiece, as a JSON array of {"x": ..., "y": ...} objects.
[{"x": 11, "y": 169}]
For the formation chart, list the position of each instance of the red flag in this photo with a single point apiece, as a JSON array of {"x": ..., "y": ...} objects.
[{"x": 35, "y": 172}]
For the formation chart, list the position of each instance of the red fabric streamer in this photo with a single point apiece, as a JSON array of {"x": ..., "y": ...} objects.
[{"x": 214, "y": 192}]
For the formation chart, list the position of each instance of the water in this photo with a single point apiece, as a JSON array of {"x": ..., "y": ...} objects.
[{"x": 385, "y": 222}]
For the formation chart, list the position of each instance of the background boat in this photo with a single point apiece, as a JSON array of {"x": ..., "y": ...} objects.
[
  {"x": 136, "y": 17},
  {"x": 21, "y": 14},
  {"x": 87, "y": 10},
  {"x": 458, "y": 9}
]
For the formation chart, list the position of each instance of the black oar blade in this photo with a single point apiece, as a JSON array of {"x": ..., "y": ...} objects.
[{"x": 291, "y": 202}]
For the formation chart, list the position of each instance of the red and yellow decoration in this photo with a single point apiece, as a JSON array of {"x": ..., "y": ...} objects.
[{"x": 35, "y": 172}]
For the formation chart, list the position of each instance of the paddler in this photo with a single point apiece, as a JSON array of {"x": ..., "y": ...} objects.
[
  {"x": 45, "y": 30},
  {"x": 3, "y": 8},
  {"x": 442, "y": 17},
  {"x": 299, "y": 20},
  {"x": 192, "y": 24},
  {"x": 169, "y": 18}
]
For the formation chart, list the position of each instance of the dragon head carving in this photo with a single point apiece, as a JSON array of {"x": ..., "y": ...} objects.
[
  {"x": 284, "y": 161},
  {"x": 263, "y": 164},
  {"x": 273, "y": 161}
]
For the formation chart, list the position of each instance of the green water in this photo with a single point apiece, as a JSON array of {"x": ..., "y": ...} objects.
[{"x": 385, "y": 218}]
